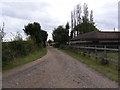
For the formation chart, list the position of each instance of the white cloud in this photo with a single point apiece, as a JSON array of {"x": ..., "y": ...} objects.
[{"x": 51, "y": 13}]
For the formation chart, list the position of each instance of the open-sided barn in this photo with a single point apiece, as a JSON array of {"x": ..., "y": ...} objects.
[{"x": 111, "y": 39}]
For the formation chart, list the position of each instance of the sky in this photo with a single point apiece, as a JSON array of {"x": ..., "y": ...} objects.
[{"x": 52, "y": 13}]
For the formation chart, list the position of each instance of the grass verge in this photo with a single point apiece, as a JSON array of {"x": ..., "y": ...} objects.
[
  {"x": 27, "y": 59},
  {"x": 109, "y": 70}
]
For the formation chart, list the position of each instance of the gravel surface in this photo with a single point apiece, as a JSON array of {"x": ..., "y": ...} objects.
[{"x": 55, "y": 70}]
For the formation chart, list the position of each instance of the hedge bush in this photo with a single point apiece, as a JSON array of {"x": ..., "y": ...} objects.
[{"x": 14, "y": 49}]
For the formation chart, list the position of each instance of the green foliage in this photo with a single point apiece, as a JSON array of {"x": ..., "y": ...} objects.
[
  {"x": 56, "y": 45},
  {"x": 50, "y": 42},
  {"x": 85, "y": 11},
  {"x": 23, "y": 60},
  {"x": 62, "y": 46},
  {"x": 71, "y": 34},
  {"x": 104, "y": 61},
  {"x": 44, "y": 37},
  {"x": 14, "y": 49},
  {"x": 108, "y": 70},
  {"x": 67, "y": 26},
  {"x": 18, "y": 48},
  {"x": 36, "y": 33},
  {"x": 60, "y": 35},
  {"x": 84, "y": 23},
  {"x": 85, "y": 27}
]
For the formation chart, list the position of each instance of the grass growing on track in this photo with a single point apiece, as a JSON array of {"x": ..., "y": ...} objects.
[
  {"x": 109, "y": 70},
  {"x": 27, "y": 59}
]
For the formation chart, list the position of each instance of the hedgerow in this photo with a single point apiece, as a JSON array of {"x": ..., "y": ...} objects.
[{"x": 16, "y": 49}]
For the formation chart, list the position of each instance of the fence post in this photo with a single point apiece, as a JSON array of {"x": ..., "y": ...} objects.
[
  {"x": 105, "y": 52},
  {"x": 104, "y": 60},
  {"x": 95, "y": 51}
]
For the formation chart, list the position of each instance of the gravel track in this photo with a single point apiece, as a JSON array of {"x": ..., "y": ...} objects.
[{"x": 55, "y": 70}]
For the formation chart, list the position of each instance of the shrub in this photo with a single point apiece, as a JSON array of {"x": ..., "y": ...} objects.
[
  {"x": 14, "y": 49},
  {"x": 56, "y": 45},
  {"x": 104, "y": 61},
  {"x": 62, "y": 46}
]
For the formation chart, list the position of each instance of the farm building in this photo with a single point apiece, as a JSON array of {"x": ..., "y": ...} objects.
[{"x": 98, "y": 38}]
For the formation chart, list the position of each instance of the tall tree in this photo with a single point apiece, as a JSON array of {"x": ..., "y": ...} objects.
[
  {"x": 35, "y": 32},
  {"x": 91, "y": 17},
  {"x": 71, "y": 34},
  {"x": 72, "y": 19},
  {"x": 67, "y": 27},
  {"x": 60, "y": 35},
  {"x": 76, "y": 19},
  {"x": 81, "y": 24},
  {"x": 78, "y": 13},
  {"x": 86, "y": 12}
]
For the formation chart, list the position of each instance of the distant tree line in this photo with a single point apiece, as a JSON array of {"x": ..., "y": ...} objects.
[{"x": 81, "y": 24}]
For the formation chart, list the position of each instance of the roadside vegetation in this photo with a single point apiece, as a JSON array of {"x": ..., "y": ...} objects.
[
  {"x": 112, "y": 54},
  {"x": 109, "y": 70},
  {"x": 82, "y": 22},
  {"x": 23, "y": 60},
  {"x": 19, "y": 51}
]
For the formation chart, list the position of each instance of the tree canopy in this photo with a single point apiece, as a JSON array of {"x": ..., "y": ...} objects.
[
  {"x": 36, "y": 33},
  {"x": 81, "y": 24},
  {"x": 61, "y": 35}
]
